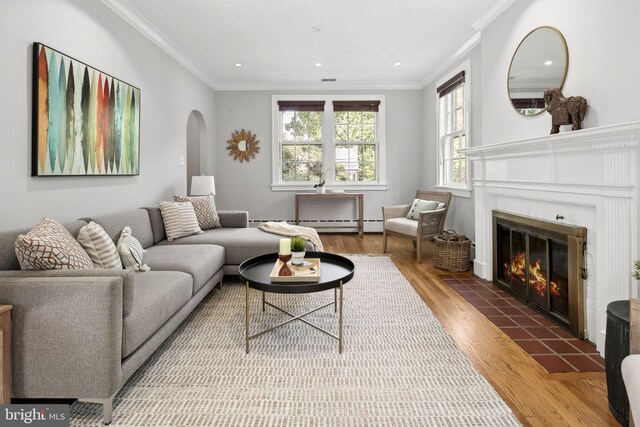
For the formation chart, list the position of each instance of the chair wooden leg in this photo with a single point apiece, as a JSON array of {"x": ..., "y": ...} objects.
[
  {"x": 384, "y": 241},
  {"x": 419, "y": 249}
]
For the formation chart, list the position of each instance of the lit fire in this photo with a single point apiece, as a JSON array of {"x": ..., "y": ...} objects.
[{"x": 537, "y": 280}]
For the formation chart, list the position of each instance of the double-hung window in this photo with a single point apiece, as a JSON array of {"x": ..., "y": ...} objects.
[
  {"x": 453, "y": 105},
  {"x": 338, "y": 139}
]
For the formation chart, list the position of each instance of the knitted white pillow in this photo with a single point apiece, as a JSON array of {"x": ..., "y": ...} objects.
[
  {"x": 179, "y": 219},
  {"x": 131, "y": 251},
  {"x": 99, "y": 246}
]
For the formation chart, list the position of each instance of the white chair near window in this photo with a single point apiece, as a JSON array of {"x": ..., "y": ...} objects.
[{"x": 424, "y": 224}]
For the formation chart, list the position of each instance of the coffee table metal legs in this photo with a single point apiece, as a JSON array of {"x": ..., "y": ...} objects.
[{"x": 295, "y": 317}]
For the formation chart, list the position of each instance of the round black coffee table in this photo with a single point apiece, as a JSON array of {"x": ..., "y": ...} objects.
[{"x": 335, "y": 271}]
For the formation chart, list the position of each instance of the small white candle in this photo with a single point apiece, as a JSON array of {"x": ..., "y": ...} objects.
[{"x": 285, "y": 246}]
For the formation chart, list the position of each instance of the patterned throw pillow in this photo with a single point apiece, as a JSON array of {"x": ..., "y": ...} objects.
[
  {"x": 99, "y": 246},
  {"x": 49, "y": 246},
  {"x": 179, "y": 219},
  {"x": 420, "y": 205},
  {"x": 205, "y": 208},
  {"x": 131, "y": 251}
]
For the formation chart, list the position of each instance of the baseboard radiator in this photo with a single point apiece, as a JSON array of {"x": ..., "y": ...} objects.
[{"x": 370, "y": 225}]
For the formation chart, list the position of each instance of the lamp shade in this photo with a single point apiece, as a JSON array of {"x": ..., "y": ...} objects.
[{"x": 202, "y": 185}]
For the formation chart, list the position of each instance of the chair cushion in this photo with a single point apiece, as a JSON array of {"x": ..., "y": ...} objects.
[
  {"x": 405, "y": 226},
  {"x": 200, "y": 261},
  {"x": 240, "y": 244},
  {"x": 158, "y": 295},
  {"x": 420, "y": 205}
]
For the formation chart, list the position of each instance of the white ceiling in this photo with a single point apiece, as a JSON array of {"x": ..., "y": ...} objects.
[{"x": 359, "y": 41}]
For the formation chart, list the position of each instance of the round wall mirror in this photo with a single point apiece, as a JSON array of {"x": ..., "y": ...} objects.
[{"x": 539, "y": 63}]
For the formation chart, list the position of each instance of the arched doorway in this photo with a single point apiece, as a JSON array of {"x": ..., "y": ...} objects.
[{"x": 196, "y": 147}]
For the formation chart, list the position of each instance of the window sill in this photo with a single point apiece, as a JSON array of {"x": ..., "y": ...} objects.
[
  {"x": 456, "y": 191},
  {"x": 346, "y": 187}
]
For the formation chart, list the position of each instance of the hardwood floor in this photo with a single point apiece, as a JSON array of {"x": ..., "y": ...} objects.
[{"x": 536, "y": 397}]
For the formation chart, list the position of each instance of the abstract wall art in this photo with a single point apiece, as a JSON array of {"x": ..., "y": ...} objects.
[{"x": 85, "y": 122}]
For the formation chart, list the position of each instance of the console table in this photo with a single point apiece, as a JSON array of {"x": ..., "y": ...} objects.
[
  {"x": 5, "y": 354},
  {"x": 358, "y": 197}
]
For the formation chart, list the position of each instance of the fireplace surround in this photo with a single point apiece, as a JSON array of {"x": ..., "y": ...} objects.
[
  {"x": 587, "y": 177},
  {"x": 541, "y": 263}
]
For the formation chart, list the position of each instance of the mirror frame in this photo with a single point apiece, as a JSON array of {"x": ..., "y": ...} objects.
[{"x": 564, "y": 75}]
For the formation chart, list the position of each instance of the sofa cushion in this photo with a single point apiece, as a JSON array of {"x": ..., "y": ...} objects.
[
  {"x": 239, "y": 244},
  {"x": 158, "y": 295},
  {"x": 99, "y": 246},
  {"x": 157, "y": 225},
  {"x": 50, "y": 246},
  {"x": 137, "y": 219},
  {"x": 8, "y": 258},
  {"x": 130, "y": 251},
  {"x": 200, "y": 261},
  {"x": 205, "y": 208},
  {"x": 179, "y": 219}
]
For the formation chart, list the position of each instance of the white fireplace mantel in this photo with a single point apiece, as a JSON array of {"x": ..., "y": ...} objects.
[{"x": 589, "y": 177}]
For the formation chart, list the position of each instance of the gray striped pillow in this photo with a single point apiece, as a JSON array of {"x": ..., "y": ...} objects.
[
  {"x": 99, "y": 246},
  {"x": 131, "y": 251},
  {"x": 179, "y": 219}
]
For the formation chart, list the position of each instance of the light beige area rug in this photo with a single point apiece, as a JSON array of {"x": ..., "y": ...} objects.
[{"x": 399, "y": 367}]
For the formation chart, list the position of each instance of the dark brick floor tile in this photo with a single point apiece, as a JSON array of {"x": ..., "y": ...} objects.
[
  {"x": 561, "y": 346},
  {"x": 599, "y": 360},
  {"x": 479, "y": 302},
  {"x": 534, "y": 347},
  {"x": 583, "y": 363},
  {"x": 489, "y": 311},
  {"x": 541, "y": 332},
  {"x": 501, "y": 321},
  {"x": 516, "y": 333},
  {"x": 525, "y": 321},
  {"x": 553, "y": 363},
  {"x": 511, "y": 310},
  {"x": 583, "y": 345}
]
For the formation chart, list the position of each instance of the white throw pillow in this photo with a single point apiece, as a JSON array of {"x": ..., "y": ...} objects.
[
  {"x": 420, "y": 205},
  {"x": 131, "y": 251},
  {"x": 99, "y": 246},
  {"x": 179, "y": 219}
]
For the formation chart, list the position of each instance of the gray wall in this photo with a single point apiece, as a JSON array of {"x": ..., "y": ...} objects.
[
  {"x": 248, "y": 185},
  {"x": 460, "y": 216},
  {"x": 92, "y": 33}
]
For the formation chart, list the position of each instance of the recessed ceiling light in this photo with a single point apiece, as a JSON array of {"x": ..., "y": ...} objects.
[
  {"x": 318, "y": 64},
  {"x": 548, "y": 62},
  {"x": 397, "y": 64},
  {"x": 237, "y": 64},
  {"x": 316, "y": 29}
]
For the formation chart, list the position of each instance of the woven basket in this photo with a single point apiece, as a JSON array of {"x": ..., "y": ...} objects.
[{"x": 452, "y": 251}]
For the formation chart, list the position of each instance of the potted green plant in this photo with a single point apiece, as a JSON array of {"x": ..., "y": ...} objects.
[{"x": 298, "y": 244}]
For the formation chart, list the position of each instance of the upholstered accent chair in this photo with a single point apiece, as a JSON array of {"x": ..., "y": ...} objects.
[
  {"x": 428, "y": 225},
  {"x": 631, "y": 363}
]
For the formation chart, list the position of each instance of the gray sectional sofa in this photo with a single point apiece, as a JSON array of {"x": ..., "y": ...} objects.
[{"x": 83, "y": 333}]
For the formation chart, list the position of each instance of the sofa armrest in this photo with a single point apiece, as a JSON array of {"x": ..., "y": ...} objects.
[
  {"x": 67, "y": 335},
  {"x": 397, "y": 211},
  {"x": 631, "y": 376},
  {"x": 234, "y": 219},
  {"x": 128, "y": 279}
]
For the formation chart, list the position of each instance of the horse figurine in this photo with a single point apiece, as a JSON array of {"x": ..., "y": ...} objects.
[{"x": 564, "y": 111}]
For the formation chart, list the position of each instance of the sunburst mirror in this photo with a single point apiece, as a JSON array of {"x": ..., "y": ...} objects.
[{"x": 243, "y": 145}]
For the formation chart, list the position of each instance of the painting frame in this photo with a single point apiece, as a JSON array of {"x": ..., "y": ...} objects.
[{"x": 80, "y": 126}]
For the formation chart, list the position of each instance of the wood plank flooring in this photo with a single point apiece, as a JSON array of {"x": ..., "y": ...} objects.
[{"x": 536, "y": 397}]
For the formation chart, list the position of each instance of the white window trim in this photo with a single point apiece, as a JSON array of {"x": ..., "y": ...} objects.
[
  {"x": 328, "y": 139},
  {"x": 456, "y": 190}
]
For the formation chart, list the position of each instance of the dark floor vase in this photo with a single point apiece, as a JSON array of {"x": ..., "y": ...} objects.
[{"x": 616, "y": 348}]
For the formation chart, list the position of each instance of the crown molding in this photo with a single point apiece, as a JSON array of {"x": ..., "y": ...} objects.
[
  {"x": 494, "y": 11},
  {"x": 256, "y": 86},
  {"x": 137, "y": 21},
  {"x": 464, "y": 49},
  {"x": 478, "y": 25}
]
